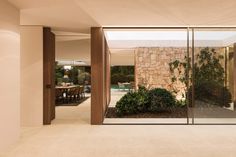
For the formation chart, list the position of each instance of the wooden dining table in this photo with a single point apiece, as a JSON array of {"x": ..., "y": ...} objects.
[{"x": 66, "y": 87}]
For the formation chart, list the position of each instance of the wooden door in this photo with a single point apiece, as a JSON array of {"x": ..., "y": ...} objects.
[{"x": 48, "y": 76}]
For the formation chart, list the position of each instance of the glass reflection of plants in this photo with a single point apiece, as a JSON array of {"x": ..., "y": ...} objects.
[{"x": 209, "y": 77}]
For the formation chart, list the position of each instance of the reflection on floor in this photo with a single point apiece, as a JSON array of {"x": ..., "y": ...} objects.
[
  {"x": 71, "y": 135},
  {"x": 206, "y": 110}
]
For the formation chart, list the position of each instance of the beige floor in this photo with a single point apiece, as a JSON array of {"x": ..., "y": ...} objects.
[{"x": 71, "y": 135}]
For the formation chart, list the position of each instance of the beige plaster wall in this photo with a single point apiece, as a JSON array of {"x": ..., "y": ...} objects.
[
  {"x": 73, "y": 50},
  {"x": 31, "y": 75},
  {"x": 10, "y": 75},
  {"x": 122, "y": 57}
]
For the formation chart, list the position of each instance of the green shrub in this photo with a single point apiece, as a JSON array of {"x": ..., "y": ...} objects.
[
  {"x": 155, "y": 100},
  {"x": 133, "y": 102},
  {"x": 180, "y": 103},
  {"x": 160, "y": 100}
]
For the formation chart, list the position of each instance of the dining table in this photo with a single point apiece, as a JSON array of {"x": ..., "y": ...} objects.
[{"x": 66, "y": 89}]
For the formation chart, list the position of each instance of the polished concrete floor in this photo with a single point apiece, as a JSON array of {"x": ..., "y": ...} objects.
[{"x": 71, "y": 135}]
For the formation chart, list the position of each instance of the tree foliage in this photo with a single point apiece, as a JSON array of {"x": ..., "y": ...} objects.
[{"x": 209, "y": 76}]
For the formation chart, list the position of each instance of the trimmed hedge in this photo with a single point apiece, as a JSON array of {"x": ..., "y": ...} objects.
[
  {"x": 133, "y": 102},
  {"x": 161, "y": 100},
  {"x": 155, "y": 100}
]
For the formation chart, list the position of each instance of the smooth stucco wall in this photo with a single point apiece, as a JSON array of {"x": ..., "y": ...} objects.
[
  {"x": 31, "y": 75},
  {"x": 10, "y": 75}
]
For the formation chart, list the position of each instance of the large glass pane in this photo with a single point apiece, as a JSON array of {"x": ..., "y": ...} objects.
[
  {"x": 158, "y": 92},
  {"x": 213, "y": 73}
]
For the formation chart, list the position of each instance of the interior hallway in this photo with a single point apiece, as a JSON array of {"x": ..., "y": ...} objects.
[{"x": 71, "y": 135}]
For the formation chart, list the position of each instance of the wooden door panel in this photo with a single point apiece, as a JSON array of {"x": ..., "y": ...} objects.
[{"x": 48, "y": 76}]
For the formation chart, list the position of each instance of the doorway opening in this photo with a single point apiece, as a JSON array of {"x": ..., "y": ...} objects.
[{"x": 71, "y": 78}]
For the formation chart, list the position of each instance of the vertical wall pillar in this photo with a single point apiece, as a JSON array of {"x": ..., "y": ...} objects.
[
  {"x": 98, "y": 91},
  {"x": 31, "y": 71},
  {"x": 10, "y": 88},
  {"x": 10, "y": 75}
]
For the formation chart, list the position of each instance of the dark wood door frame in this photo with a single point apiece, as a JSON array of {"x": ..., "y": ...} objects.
[
  {"x": 100, "y": 75},
  {"x": 48, "y": 76}
]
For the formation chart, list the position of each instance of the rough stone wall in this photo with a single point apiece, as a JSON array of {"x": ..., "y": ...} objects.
[{"x": 152, "y": 67}]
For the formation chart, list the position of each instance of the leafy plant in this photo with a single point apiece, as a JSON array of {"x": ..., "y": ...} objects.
[
  {"x": 133, "y": 102},
  {"x": 160, "y": 99},
  {"x": 209, "y": 77},
  {"x": 143, "y": 100},
  {"x": 179, "y": 71},
  {"x": 59, "y": 73},
  {"x": 73, "y": 74},
  {"x": 84, "y": 78}
]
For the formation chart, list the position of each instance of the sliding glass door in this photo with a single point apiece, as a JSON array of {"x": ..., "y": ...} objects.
[
  {"x": 181, "y": 75},
  {"x": 212, "y": 76}
]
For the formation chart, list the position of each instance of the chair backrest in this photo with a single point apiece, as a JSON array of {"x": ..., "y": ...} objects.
[
  {"x": 72, "y": 91},
  {"x": 121, "y": 85},
  {"x": 77, "y": 89},
  {"x": 80, "y": 89},
  {"x": 59, "y": 92}
]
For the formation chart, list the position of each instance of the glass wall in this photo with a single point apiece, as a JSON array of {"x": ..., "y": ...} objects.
[
  {"x": 157, "y": 95},
  {"x": 195, "y": 65},
  {"x": 213, "y": 79}
]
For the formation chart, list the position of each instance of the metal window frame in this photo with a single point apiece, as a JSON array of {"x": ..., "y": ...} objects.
[{"x": 188, "y": 29}]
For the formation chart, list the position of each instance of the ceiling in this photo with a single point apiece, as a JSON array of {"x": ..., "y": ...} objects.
[
  {"x": 71, "y": 20},
  {"x": 80, "y": 15}
]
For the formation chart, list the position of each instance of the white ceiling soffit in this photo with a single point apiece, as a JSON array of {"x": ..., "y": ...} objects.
[
  {"x": 69, "y": 36},
  {"x": 63, "y": 15},
  {"x": 80, "y": 15},
  {"x": 160, "y": 12},
  {"x": 162, "y": 38}
]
